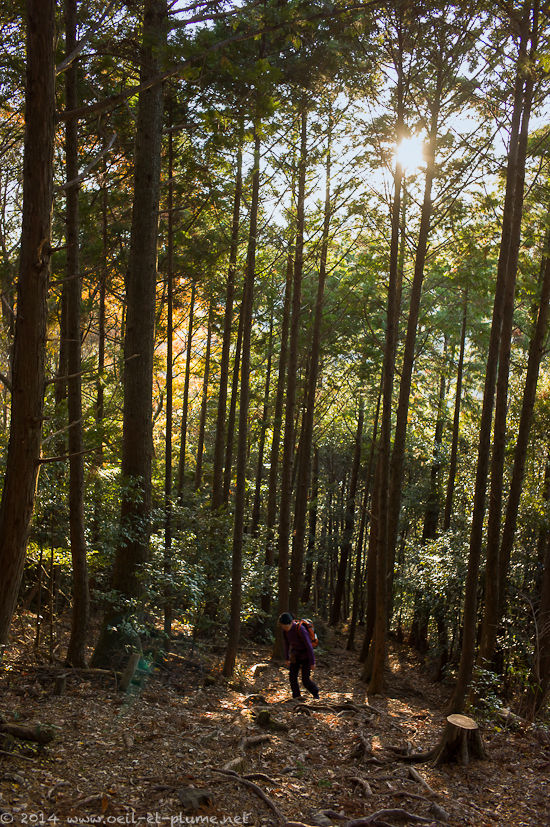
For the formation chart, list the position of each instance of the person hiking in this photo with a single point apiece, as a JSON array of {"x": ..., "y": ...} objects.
[{"x": 299, "y": 655}]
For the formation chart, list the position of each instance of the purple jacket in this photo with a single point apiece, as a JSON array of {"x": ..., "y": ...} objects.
[{"x": 298, "y": 644}]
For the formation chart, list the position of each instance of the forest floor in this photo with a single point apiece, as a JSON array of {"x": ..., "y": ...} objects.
[{"x": 183, "y": 746}]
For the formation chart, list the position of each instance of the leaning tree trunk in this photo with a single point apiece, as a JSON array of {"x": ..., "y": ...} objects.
[
  {"x": 240, "y": 488},
  {"x": 76, "y": 654},
  {"x": 137, "y": 433},
  {"x": 30, "y": 327}
]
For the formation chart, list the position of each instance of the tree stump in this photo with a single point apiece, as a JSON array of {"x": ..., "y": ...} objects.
[{"x": 461, "y": 742}]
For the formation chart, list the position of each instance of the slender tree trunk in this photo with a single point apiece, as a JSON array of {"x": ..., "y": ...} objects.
[
  {"x": 228, "y": 470},
  {"x": 536, "y": 352},
  {"x": 456, "y": 421},
  {"x": 240, "y": 488},
  {"x": 399, "y": 442},
  {"x": 137, "y": 434},
  {"x": 255, "y": 520},
  {"x": 431, "y": 517},
  {"x": 30, "y": 327},
  {"x": 476, "y": 531},
  {"x": 204, "y": 402},
  {"x": 374, "y": 664},
  {"x": 288, "y": 444},
  {"x": 76, "y": 654},
  {"x": 347, "y": 537},
  {"x": 276, "y": 438},
  {"x": 219, "y": 441},
  {"x": 312, "y": 524},
  {"x": 169, "y": 380},
  {"x": 358, "y": 584},
  {"x": 100, "y": 394},
  {"x": 302, "y": 487},
  {"x": 492, "y": 599},
  {"x": 539, "y": 681},
  {"x": 186, "y": 383}
]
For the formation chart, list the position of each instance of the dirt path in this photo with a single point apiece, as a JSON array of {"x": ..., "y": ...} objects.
[{"x": 184, "y": 747}]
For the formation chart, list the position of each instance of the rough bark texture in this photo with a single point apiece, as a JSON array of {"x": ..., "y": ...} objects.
[{"x": 30, "y": 327}]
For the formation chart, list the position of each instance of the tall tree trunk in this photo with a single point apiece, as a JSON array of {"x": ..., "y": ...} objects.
[
  {"x": 276, "y": 439},
  {"x": 76, "y": 654},
  {"x": 186, "y": 383},
  {"x": 288, "y": 443},
  {"x": 302, "y": 486},
  {"x": 536, "y": 352},
  {"x": 476, "y": 531},
  {"x": 169, "y": 379},
  {"x": 373, "y": 670},
  {"x": 204, "y": 401},
  {"x": 240, "y": 488},
  {"x": 228, "y": 469},
  {"x": 399, "y": 442},
  {"x": 347, "y": 537},
  {"x": 30, "y": 327},
  {"x": 219, "y": 441},
  {"x": 255, "y": 518},
  {"x": 453, "y": 462},
  {"x": 492, "y": 565},
  {"x": 137, "y": 434}
]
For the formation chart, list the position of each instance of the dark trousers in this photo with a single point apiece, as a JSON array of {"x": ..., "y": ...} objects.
[{"x": 306, "y": 679}]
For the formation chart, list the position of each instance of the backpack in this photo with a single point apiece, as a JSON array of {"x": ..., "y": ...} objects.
[{"x": 310, "y": 630}]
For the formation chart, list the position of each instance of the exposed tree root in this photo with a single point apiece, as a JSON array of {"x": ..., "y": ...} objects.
[{"x": 258, "y": 790}]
